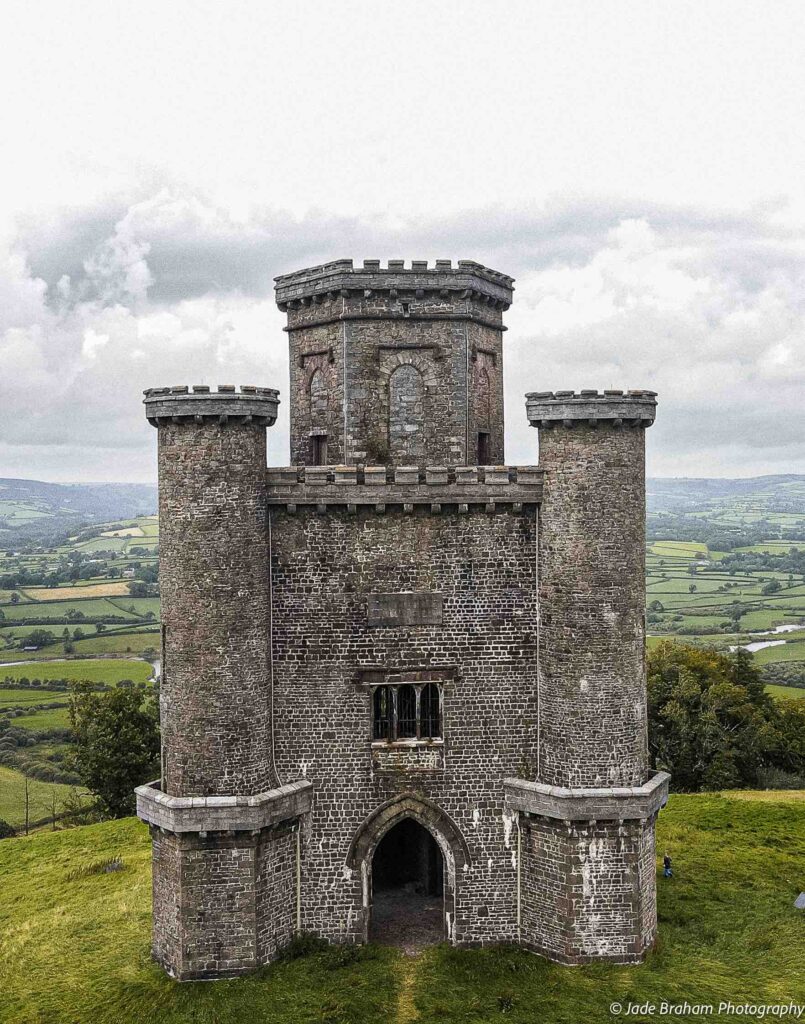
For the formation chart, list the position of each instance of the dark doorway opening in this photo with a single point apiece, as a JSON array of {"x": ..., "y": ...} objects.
[{"x": 407, "y": 888}]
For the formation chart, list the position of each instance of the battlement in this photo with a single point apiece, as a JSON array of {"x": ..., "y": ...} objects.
[
  {"x": 341, "y": 278},
  {"x": 250, "y": 404},
  {"x": 379, "y": 486},
  {"x": 615, "y": 408}
]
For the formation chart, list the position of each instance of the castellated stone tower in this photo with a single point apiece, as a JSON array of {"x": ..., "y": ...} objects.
[
  {"x": 224, "y": 847},
  {"x": 591, "y": 810},
  {"x": 396, "y": 365},
  {"x": 402, "y": 681}
]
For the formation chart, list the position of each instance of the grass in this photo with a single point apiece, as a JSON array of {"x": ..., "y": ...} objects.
[
  {"x": 794, "y": 692},
  {"x": 789, "y": 651},
  {"x": 40, "y": 796},
  {"x": 100, "y": 670},
  {"x": 75, "y": 940}
]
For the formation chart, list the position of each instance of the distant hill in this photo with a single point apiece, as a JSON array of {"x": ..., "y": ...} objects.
[
  {"x": 32, "y": 510},
  {"x": 781, "y": 493}
]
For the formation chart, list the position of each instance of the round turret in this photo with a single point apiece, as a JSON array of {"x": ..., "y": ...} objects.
[
  {"x": 593, "y": 708},
  {"x": 215, "y": 696}
]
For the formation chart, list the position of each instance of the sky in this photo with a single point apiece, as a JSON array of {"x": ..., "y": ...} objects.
[{"x": 638, "y": 167}]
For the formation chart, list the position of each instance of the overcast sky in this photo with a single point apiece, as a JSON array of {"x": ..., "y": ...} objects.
[{"x": 639, "y": 167}]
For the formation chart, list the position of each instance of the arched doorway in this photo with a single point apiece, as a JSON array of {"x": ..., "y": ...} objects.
[
  {"x": 407, "y": 888},
  {"x": 435, "y": 823}
]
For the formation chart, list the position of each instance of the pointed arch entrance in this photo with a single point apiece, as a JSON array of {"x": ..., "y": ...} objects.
[{"x": 408, "y": 851}]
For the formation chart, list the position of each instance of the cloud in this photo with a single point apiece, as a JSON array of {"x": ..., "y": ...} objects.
[{"x": 706, "y": 307}]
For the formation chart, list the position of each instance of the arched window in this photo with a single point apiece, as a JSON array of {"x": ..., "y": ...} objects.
[
  {"x": 318, "y": 400},
  {"x": 430, "y": 723},
  {"x": 483, "y": 396},
  {"x": 482, "y": 407},
  {"x": 406, "y": 416}
]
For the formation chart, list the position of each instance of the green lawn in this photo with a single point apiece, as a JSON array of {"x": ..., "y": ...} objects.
[
  {"x": 74, "y": 940},
  {"x": 96, "y": 670},
  {"x": 40, "y": 796}
]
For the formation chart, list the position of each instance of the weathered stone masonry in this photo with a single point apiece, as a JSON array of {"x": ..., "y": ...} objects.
[{"x": 411, "y": 558}]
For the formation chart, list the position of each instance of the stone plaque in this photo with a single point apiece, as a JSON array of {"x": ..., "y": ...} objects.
[{"x": 410, "y": 609}]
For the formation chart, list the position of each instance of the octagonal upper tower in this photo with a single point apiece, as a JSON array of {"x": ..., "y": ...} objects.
[{"x": 397, "y": 364}]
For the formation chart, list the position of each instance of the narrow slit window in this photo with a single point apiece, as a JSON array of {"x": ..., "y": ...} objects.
[{"x": 319, "y": 449}]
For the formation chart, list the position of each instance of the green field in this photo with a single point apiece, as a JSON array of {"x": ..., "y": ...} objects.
[
  {"x": 40, "y": 797},
  {"x": 100, "y": 670},
  {"x": 793, "y": 692},
  {"x": 39, "y": 721},
  {"x": 75, "y": 939},
  {"x": 24, "y": 698}
]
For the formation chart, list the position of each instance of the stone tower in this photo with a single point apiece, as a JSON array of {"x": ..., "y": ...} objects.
[
  {"x": 396, "y": 365},
  {"x": 222, "y": 827},
  {"x": 591, "y": 809},
  {"x": 396, "y": 661}
]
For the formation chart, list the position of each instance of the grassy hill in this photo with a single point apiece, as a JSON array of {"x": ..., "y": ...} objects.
[
  {"x": 74, "y": 939},
  {"x": 34, "y": 509}
]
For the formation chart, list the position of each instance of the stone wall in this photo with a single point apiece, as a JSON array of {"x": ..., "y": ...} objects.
[
  {"x": 588, "y": 889},
  {"x": 226, "y": 901},
  {"x": 327, "y": 656}
]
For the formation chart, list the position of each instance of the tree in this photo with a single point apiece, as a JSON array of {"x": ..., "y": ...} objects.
[
  {"x": 15, "y": 598},
  {"x": 771, "y": 587},
  {"x": 40, "y": 637},
  {"x": 692, "y": 588},
  {"x": 6, "y": 830},
  {"x": 116, "y": 744},
  {"x": 711, "y": 722}
]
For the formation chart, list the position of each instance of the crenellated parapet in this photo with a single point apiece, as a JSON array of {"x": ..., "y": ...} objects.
[
  {"x": 434, "y": 487},
  {"x": 200, "y": 403},
  {"x": 614, "y": 408},
  {"x": 316, "y": 286}
]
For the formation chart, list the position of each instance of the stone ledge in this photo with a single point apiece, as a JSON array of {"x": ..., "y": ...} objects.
[
  {"x": 250, "y": 404},
  {"x": 626, "y": 802},
  {"x": 222, "y": 813},
  {"x": 615, "y": 408},
  {"x": 404, "y": 485}
]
